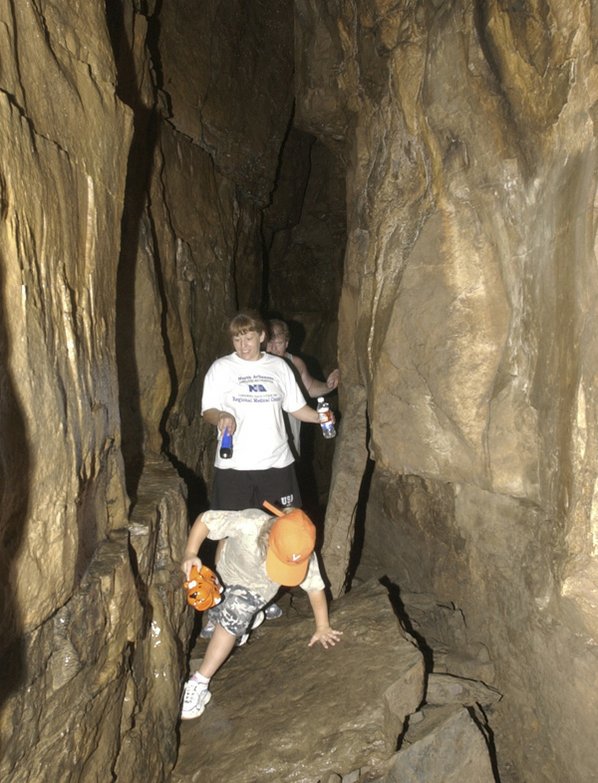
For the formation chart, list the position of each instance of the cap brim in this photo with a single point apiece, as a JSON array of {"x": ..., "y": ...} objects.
[{"x": 284, "y": 573}]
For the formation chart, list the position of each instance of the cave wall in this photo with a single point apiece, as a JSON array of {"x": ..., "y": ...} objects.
[
  {"x": 467, "y": 337},
  {"x": 92, "y": 624},
  {"x": 304, "y": 232},
  {"x": 130, "y": 225},
  {"x": 131, "y": 203}
]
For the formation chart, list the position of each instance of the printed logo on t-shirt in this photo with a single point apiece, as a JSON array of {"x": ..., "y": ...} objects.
[
  {"x": 257, "y": 388},
  {"x": 287, "y": 500}
]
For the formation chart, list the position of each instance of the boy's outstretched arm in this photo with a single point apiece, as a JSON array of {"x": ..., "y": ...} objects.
[
  {"x": 197, "y": 535},
  {"x": 324, "y": 633}
]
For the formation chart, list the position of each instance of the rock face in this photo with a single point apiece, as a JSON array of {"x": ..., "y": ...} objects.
[
  {"x": 154, "y": 178},
  {"x": 467, "y": 331},
  {"x": 73, "y": 624},
  {"x": 98, "y": 683},
  {"x": 93, "y": 622},
  {"x": 281, "y": 711},
  {"x": 62, "y": 487}
]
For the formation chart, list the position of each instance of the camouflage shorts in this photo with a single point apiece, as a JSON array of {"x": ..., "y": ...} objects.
[{"x": 237, "y": 609}]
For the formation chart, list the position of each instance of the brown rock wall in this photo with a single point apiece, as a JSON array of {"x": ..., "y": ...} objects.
[
  {"x": 62, "y": 187},
  {"x": 100, "y": 688},
  {"x": 465, "y": 316},
  {"x": 194, "y": 217},
  {"x": 223, "y": 92},
  {"x": 491, "y": 556},
  {"x": 204, "y": 263},
  {"x": 92, "y": 623}
]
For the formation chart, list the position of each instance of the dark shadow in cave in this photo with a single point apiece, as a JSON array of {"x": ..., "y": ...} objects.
[
  {"x": 359, "y": 517},
  {"x": 136, "y": 228},
  {"x": 267, "y": 232},
  {"x": 394, "y": 594},
  {"x": 14, "y": 498},
  {"x": 139, "y": 170},
  {"x": 479, "y": 718}
]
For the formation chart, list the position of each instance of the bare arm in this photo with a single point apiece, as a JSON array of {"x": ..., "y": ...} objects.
[
  {"x": 306, "y": 414},
  {"x": 220, "y": 419},
  {"x": 197, "y": 535},
  {"x": 324, "y": 633},
  {"x": 333, "y": 379},
  {"x": 314, "y": 387},
  {"x": 309, "y": 415}
]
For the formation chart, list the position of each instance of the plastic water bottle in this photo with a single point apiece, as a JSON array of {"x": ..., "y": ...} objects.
[
  {"x": 226, "y": 445},
  {"x": 325, "y": 415}
]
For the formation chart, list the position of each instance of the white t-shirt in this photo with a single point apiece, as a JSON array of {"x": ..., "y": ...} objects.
[
  {"x": 295, "y": 424},
  {"x": 256, "y": 393},
  {"x": 241, "y": 562}
]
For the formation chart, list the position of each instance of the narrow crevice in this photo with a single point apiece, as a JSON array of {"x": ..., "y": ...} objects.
[{"x": 139, "y": 169}]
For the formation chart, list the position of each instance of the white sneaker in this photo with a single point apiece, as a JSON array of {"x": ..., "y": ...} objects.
[
  {"x": 273, "y": 612},
  {"x": 257, "y": 621},
  {"x": 195, "y": 697}
]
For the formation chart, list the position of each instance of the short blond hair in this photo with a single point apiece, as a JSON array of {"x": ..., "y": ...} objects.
[{"x": 246, "y": 321}]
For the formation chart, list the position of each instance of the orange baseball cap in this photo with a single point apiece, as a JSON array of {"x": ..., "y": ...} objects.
[{"x": 291, "y": 542}]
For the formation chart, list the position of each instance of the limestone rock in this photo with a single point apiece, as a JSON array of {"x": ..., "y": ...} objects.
[
  {"x": 467, "y": 318},
  {"x": 238, "y": 104},
  {"x": 332, "y": 778},
  {"x": 62, "y": 189},
  {"x": 455, "y": 750},
  {"x": 448, "y": 689},
  {"x": 295, "y": 713},
  {"x": 101, "y": 678},
  {"x": 350, "y": 460}
]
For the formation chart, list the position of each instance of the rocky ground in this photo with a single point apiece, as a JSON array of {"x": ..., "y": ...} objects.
[{"x": 368, "y": 709}]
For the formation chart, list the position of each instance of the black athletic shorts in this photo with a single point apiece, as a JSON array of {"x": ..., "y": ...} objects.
[{"x": 235, "y": 490}]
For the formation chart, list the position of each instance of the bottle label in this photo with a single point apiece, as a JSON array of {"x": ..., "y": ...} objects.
[{"x": 326, "y": 422}]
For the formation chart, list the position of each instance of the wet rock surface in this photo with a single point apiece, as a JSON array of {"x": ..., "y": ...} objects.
[
  {"x": 101, "y": 680},
  {"x": 281, "y": 711}
]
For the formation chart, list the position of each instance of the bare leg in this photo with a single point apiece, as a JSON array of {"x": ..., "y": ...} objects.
[{"x": 219, "y": 648}]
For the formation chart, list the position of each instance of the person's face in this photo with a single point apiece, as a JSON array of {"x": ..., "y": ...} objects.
[
  {"x": 247, "y": 346},
  {"x": 277, "y": 344}
]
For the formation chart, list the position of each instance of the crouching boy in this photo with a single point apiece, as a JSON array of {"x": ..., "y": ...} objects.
[{"x": 260, "y": 553}]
